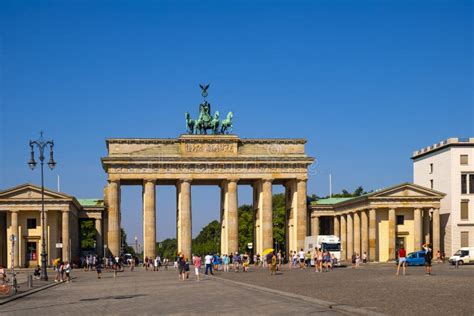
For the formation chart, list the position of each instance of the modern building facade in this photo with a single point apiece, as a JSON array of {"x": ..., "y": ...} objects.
[
  {"x": 380, "y": 222},
  {"x": 448, "y": 166},
  {"x": 20, "y": 215}
]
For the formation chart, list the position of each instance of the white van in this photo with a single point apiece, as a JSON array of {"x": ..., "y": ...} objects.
[{"x": 464, "y": 255}]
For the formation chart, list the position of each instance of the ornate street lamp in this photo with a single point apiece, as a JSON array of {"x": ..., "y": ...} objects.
[{"x": 41, "y": 145}]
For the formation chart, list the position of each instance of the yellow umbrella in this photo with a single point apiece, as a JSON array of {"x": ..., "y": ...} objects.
[{"x": 267, "y": 251}]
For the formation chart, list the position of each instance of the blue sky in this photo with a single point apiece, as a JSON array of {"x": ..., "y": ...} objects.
[{"x": 365, "y": 82}]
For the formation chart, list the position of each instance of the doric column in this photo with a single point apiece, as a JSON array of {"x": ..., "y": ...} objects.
[
  {"x": 99, "y": 238},
  {"x": 184, "y": 220},
  {"x": 65, "y": 236},
  {"x": 314, "y": 224},
  {"x": 427, "y": 225},
  {"x": 365, "y": 232},
  {"x": 257, "y": 217},
  {"x": 436, "y": 231},
  {"x": 350, "y": 235},
  {"x": 267, "y": 214},
  {"x": 372, "y": 235},
  {"x": 302, "y": 211},
  {"x": 14, "y": 230},
  {"x": 149, "y": 219},
  {"x": 343, "y": 237},
  {"x": 391, "y": 233},
  {"x": 230, "y": 220},
  {"x": 418, "y": 236},
  {"x": 337, "y": 231},
  {"x": 357, "y": 232},
  {"x": 114, "y": 235}
]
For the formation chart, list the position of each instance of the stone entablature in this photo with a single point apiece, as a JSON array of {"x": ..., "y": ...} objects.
[{"x": 205, "y": 156}]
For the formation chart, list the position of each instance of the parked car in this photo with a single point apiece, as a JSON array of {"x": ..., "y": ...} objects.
[
  {"x": 416, "y": 258},
  {"x": 464, "y": 255}
]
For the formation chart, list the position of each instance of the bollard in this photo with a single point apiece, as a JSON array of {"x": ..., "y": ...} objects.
[{"x": 30, "y": 281}]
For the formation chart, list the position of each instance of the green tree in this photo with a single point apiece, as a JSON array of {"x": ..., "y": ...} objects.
[
  {"x": 245, "y": 226},
  {"x": 357, "y": 192},
  {"x": 279, "y": 220},
  {"x": 88, "y": 235},
  {"x": 208, "y": 239},
  {"x": 125, "y": 247},
  {"x": 167, "y": 248}
]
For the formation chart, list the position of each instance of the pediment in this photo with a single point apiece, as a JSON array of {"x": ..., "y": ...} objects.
[
  {"x": 31, "y": 192},
  {"x": 407, "y": 190}
]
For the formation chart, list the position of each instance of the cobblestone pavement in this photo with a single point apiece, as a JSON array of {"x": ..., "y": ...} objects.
[
  {"x": 375, "y": 287},
  {"x": 151, "y": 293}
]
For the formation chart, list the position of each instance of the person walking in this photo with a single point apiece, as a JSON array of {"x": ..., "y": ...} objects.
[
  {"x": 273, "y": 264},
  {"x": 208, "y": 262},
  {"x": 98, "y": 268},
  {"x": 301, "y": 255},
  {"x": 67, "y": 270},
  {"x": 402, "y": 260},
  {"x": 197, "y": 266},
  {"x": 279, "y": 260}
]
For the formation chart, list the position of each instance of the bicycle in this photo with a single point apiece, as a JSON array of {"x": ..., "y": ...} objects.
[{"x": 8, "y": 287}]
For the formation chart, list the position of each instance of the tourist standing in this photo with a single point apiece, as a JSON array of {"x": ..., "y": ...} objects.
[
  {"x": 181, "y": 268},
  {"x": 301, "y": 257},
  {"x": 225, "y": 261},
  {"x": 364, "y": 257},
  {"x": 357, "y": 260},
  {"x": 428, "y": 259},
  {"x": 245, "y": 262},
  {"x": 402, "y": 260}
]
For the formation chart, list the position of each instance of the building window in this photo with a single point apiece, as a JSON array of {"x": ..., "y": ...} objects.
[
  {"x": 431, "y": 168},
  {"x": 467, "y": 183},
  {"x": 463, "y": 183},
  {"x": 465, "y": 209},
  {"x": 464, "y": 239},
  {"x": 432, "y": 184},
  {"x": 400, "y": 220},
  {"x": 31, "y": 223},
  {"x": 471, "y": 183},
  {"x": 464, "y": 160}
]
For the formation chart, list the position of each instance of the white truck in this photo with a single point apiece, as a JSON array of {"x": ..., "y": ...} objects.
[
  {"x": 325, "y": 243},
  {"x": 464, "y": 255}
]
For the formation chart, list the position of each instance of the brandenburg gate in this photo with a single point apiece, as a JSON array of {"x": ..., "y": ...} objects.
[{"x": 218, "y": 159}]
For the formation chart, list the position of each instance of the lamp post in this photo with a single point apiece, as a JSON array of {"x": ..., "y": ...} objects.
[
  {"x": 41, "y": 145},
  {"x": 136, "y": 244}
]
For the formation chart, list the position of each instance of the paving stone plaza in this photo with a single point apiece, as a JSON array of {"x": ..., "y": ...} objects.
[{"x": 371, "y": 289}]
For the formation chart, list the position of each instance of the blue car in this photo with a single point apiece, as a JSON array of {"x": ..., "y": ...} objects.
[{"x": 416, "y": 258}]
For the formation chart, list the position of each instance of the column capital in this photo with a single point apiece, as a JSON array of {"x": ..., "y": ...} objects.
[
  {"x": 15, "y": 211},
  {"x": 300, "y": 179},
  {"x": 184, "y": 180},
  {"x": 65, "y": 211},
  {"x": 114, "y": 181},
  {"x": 267, "y": 180},
  {"x": 145, "y": 181}
]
